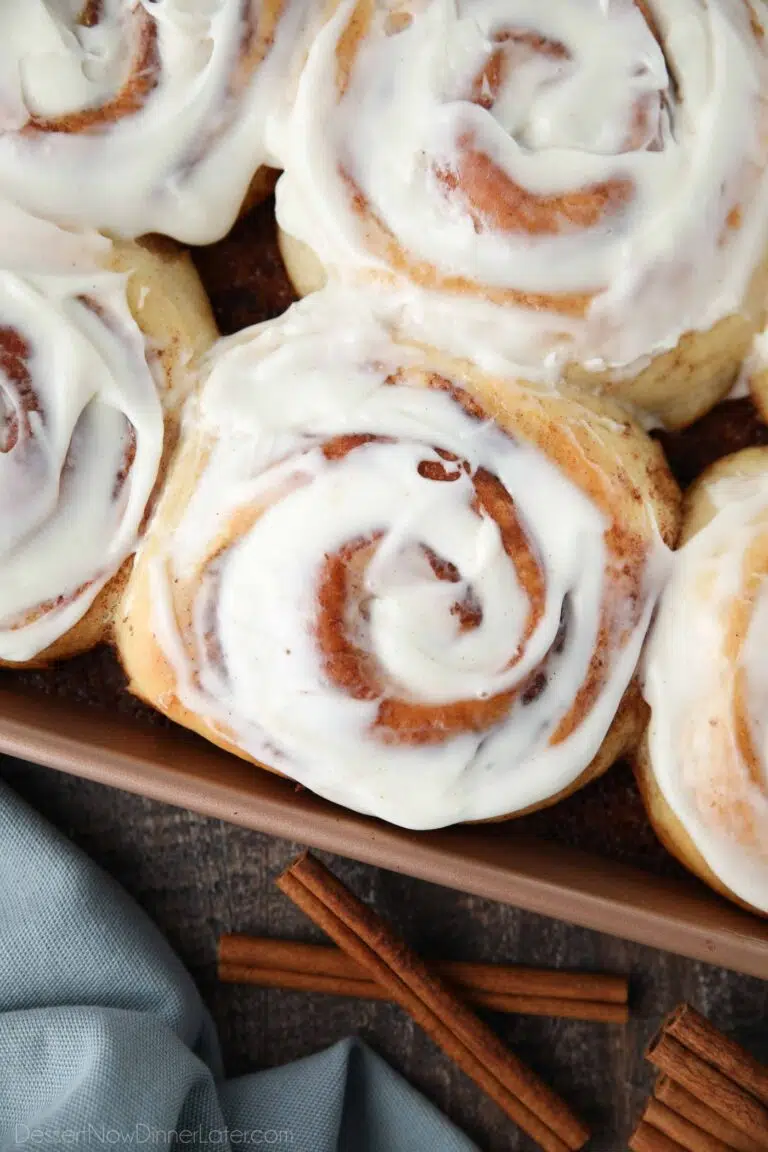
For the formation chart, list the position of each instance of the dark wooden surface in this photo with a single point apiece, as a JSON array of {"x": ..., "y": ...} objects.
[{"x": 198, "y": 878}]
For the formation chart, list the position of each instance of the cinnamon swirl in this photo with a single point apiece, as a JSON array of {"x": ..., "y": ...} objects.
[
  {"x": 703, "y": 767},
  {"x": 580, "y": 186},
  {"x": 417, "y": 590},
  {"x": 90, "y": 364},
  {"x": 137, "y": 116}
]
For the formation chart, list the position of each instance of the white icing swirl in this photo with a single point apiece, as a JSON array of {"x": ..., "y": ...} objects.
[
  {"x": 81, "y": 436},
  {"x": 150, "y": 118},
  {"x": 706, "y": 680},
  {"x": 596, "y": 176},
  {"x": 319, "y": 464},
  {"x": 31, "y": 245}
]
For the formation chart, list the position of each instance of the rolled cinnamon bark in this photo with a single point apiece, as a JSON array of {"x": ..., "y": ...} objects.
[
  {"x": 707, "y": 1083},
  {"x": 687, "y": 1106},
  {"x": 372, "y": 944},
  {"x": 687, "y": 1134},
  {"x": 334, "y": 985},
  {"x": 697, "y": 1034},
  {"x": 645, "y": 1138},
  {"x": 505, "y": 980}
]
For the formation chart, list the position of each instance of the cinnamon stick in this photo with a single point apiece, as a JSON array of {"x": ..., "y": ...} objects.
[
  {"x": 648, "y": 1139},
  {"x": 318, "y": 959},
  {"x": 696, "y": 1033},
  {"x": 709, "y": 1084},
  {"x": 681, "y": 1101},
  {"x": 290, "y": 964},
  {"x": 478, "y": 1052},
  {"x": 687, "y": 1134},
  {"x": 364, "y": 989}
]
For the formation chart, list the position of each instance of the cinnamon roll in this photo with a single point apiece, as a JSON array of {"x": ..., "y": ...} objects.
[
  {"x": 417, "y": 590},
  {"x": 94, "y": 365},
  {"x": 581, "y": 187},
  {"x": 703, "y": 766},
  {"x": 137, "y": 116}
]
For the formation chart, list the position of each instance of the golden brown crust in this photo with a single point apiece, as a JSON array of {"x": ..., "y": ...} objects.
[
  {"x": 677, "y": 385},
  {"x": 622, "y": 738},
  {"x": 671, "y": 832},
  {"x": 611, "y": 460},
  {"x": 305, "y": 269},
  {"x": 682, "y": 384},
  {"x": 698, "y": 508},
  {"x": 169, "y": 304},
  {"x": 260, "y": 188},
  {"x": 698, "y": 511}
]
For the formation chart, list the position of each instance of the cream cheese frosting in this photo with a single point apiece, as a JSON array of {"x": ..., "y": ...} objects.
[
  {"x": 146, "y": 115},
  {"x": 595, "y": 179},
  {"x": 81, "y": 437},
  {"x": 706, "y": 680},
  {"x": 305, "y": 448}
]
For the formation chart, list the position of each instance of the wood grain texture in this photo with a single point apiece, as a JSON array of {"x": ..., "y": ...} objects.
[{"x": 199, "y": 878}]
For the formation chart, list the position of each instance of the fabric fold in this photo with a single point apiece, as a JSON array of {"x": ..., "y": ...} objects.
[{"x": 105, "y": 1041}]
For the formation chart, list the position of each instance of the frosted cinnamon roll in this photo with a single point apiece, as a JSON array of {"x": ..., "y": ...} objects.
[
  {"x": 94, "y": 365},
  {"x": 581, "y": 186},
  {"x": 137, "y": 116},
  {"x": 419, "y": 591},
  {"x": 703, "y": 767}
]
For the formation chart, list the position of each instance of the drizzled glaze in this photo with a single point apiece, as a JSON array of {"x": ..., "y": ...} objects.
[
  {"x": 133, "y": 116},
  {"x": 375, "y": 589},
  {"x": 587, "y": 179},
  {"x": 81, "y": 436},
  {"x": 706, "y": 680}
]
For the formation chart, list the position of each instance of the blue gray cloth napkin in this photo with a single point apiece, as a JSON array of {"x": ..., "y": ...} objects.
[{"x": 105, "y": 1043}]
